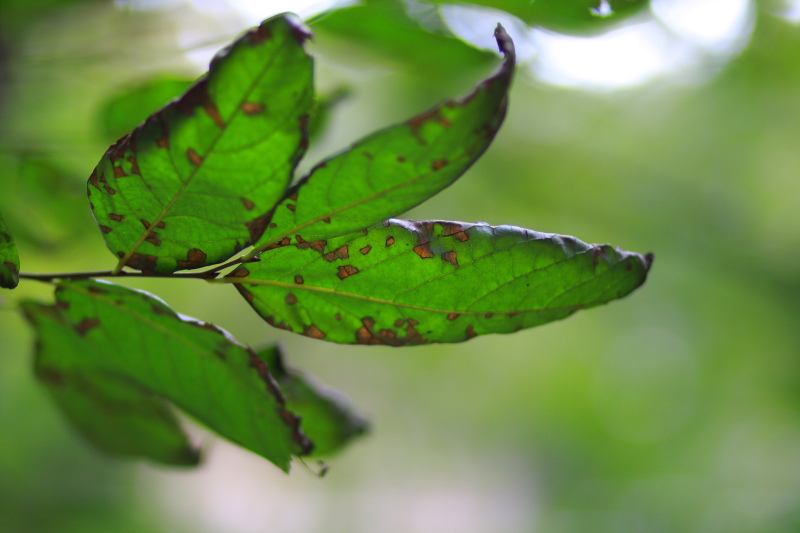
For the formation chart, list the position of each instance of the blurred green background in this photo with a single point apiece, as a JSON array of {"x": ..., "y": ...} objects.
[{"x": 676, "y": 409}]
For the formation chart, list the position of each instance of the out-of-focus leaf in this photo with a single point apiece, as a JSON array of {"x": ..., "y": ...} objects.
[
  {"x": 406, "y": 282},
  {"x": 192, "y": 185},
  {"x": 125, "y": 111},
  {"x": 9, "y": 258},
  {"x": 98, "y": 336},
  {"x": 328, "y": 420},
  {"x": 395, "y": 169},
  {"x": 565, "y": 16},
  {"x": 386, "y": 28},
  {"x": 322, "y": 111}
]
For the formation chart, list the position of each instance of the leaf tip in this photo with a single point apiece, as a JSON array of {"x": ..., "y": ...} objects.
[{"x": 505, "y": 43}]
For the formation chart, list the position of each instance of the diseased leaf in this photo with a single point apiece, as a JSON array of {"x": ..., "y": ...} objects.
[
  {"x": 566, "y": 16},
  {"x": 406, "y": 282},
  {"x": 9, "y": 258},
  {"x": 106, "y": 335},
  {"x": 127, "y": 110},
  {"x": 395, "y": 169},
  {"x": 328, "y": 420},
  {"x": 192, "y": 185}
]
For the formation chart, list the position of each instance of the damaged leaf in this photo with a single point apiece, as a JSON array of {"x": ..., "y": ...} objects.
[
  {"x": 395, "y": 169},
  {"x": 406, "y": 282},
  {"x": 108, "y": 355},
  {"x": 328, "y": 420},
  {"x": 192, "y": 185},
  {"x": 9, "y": 258}
]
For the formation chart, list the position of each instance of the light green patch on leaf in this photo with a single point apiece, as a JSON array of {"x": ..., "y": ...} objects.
[
  {"x": 406, "y": 282},
  {"x": 328, "y": 420},
  {"x": 193, "y": 184},
  {"x": 106, "y": 342},
  {"x": 580, "y": 17},
  {"x": 395, "y": 169},
  {"x": 124, "y": 111},
  {"x": 9, "y": 258}
]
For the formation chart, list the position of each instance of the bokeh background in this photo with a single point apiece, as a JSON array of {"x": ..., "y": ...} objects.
[{"x": 677, "y": 409}]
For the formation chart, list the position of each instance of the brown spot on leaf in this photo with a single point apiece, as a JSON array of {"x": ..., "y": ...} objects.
[
  {"x": 368, "y": 155},
  {"x": 119, "y": 172},
  {"x": 364, "y": 334},
  {"x": 195, "y": 258},
  {"x": 314, "y": 332},
  {"x": 105, "y": 229},
  {"x": 291, "y": 299},
  {"x": 471, "y": 332},
  {"x": 299, "y": 279},
  {"x": 161, "y": 225},
  {"x": 145, "y": 223},
  {"x": 115, "y": 217},
  {"x": 291, "y": 207},
  {"x": 340, "y": 253},
  {"x": 347, "y": 271},
  {"x": 240, "y": 272},
  {"x": 260, "y": 34},
  {"x": 135, "y": 165},
  {"x": 213, "y": 112},
  {"x": 145, "y": 263},
  {"x": 412, "y": 322},
  {"x": 87, "y": 324},
  {"x": 195, "y": 158},
  {"x": 253, "y": 108},
  {"x": 280, "y": 244},
  {"x": 337, "y": 316},
  {"x": 258, "y": 225},
  {"x": 489, "y": 315},
  {"x": 303, "y": 244},
  {"x": 451, "y": 257},
  {"x": 327, "y": 220},
  {"x": 365, "y": 250},
  {"x": 424, "y": 250},
  {"x": 401, "y": 159},
  {"x": 162, "y": 142},
  {"x": 93, "y": 179},
  {"x": 294, "y": 196},
  {"x": 399, "y": 323},
  {"x": 439, "y": 164},
  {"x": 248, "y": 203},
  {"x": 249, "y": 296},
  {"x": 389, "y": 241},
  {"x": 462, "y": 236},
  {"x": 109, "y": 189},
  {"x": 153, "y": 239},
  {"x": 452, "y": 316}
]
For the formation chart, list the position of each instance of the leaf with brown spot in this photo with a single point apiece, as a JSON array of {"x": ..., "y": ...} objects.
[
  {"x": 208, "y": 165},
  {"x": 117, "y": 374},
  {"x": 392, "y": 170},
  {"x": 498, "y": 280}
]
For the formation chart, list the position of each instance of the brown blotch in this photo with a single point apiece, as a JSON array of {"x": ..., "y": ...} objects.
[
  {"x": 401, "y": 159},
  {"x": 213, "y": 112},
  {"x": 364, "y": 334},
  {"x": 424, "y": 250},
  {"x": 303, "y": 244},
  {"x": 87, "y": 324},
  {"x": 161, "y": 225},
  {"x": 260, "y": 34},
  {"x": 291, "y": 207},
  {"x": 471, "y": 332},
  {"x": 294, "y": 196},
  {"x": 399, "y": 323},
  {"x": 145, "y": 263},
  {"x": 439, "y": 164},
  {"x": 258, "y": 225},
  {"x": 412, "y": 322},
  {"x": 340, "y": 253},
  {"x": 327, "y": 220},
  {"x": 145, "y": 223},
  {"x": 387, "y": 335},
  {"x": 280, "y": 244},
  {"x": 253, "y": 108},
  {"x": 337, "y": 316},
  {"x": 453, "y": 316},
  {"x": 93, "y": 179},
  {"x": 109, "y": 189},
  {"x": 462, "y": 236},
  {"x": 115, "y": 217},
  {"x": 248, "y": 203},
  {"x": 451, "y": 257},
  {"x": 153, "y": 239},
  {"x": 240, "y": 272},
  {"x": 195, "y": 158},
  {"x": 314, "y": 332},
  {"x": 299, "y": 279},
  {"x": 162, "y": 142},
  {"x": 135, "y": 165},
  {"x": 119, "y": 172},
  {"x": 365, "y": 250},
  {"x": 389, "y": 241},
  {"x": 291, "y": 299},
  {"x": 347, "y": 271},
  {"x": 195, "y": 258},
  {"x": 419, "y": 120},
  {"x": 249, "y": 296},
  {"x": 105, "y": 229}
]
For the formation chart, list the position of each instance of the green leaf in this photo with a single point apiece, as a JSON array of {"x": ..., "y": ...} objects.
[
  {"x": 123, "y": 112},
  {"x": 9, "y": 258},
  {"x": 192, "y": 185},
  {"x": 99, "y": 335},
  {"x": 385, "y": 27},
  {"x": 406, "y": 282},
  {"x": 328, "y": 420},
  {"x": 565, "y": 16},
  {"x": 395, "y": 169}
]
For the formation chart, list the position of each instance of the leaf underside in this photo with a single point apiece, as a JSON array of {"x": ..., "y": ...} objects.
[
  {"x": 407, "y": 283},
  {"x": 108, "y": 355},
  {"x": 193, "y": 184},
  {"x": 328, "y": 419},
  {"x": 9, "y": 258}
]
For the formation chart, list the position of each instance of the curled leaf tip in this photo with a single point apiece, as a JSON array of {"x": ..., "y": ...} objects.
[{"x": 504, "y": 42}]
